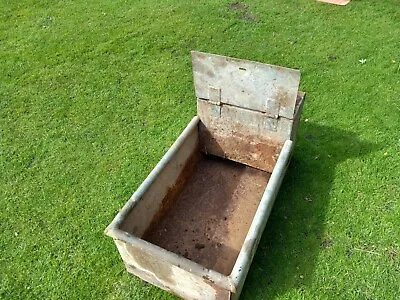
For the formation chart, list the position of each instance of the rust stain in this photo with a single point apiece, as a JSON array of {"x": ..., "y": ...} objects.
[
  {"x": 220, "y": 293},
  {"x": 250, "y": 150},
  {"x": 173, "y": 191},
  {"x": 209, "y": 220}
]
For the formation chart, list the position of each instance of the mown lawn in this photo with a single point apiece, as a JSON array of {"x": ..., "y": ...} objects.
[{"x": 92, "y": 93}]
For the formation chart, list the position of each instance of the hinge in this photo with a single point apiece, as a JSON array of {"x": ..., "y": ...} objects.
[
  {"x": 271, "y": 124},
  {"x": 214, "y": 95},
  {"x": 272, "y": 108},
  {"x": 271, "y": 114}
]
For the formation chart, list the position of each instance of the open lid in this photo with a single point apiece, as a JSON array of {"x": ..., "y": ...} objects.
[{"x": 246, "y": 84}]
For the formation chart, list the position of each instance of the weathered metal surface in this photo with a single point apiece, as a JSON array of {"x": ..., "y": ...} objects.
[
  {"x": 247, "y": 109},
  {"x": 145, "y": 205},
  {"x": 209, "y": 275},
  {"x": 252, "y": 151},
  {"x": 247, "y": 84},
  {"x": 236, "y": 136},
  {"x": 210, "y": 218},
  {"x": 239, "y": 134},
  {"x": 163, "y": 274},
  {"x": 151, "y": 199},
  {"x": 174, "y": 192},
  {"x": 253, "y": 131}
]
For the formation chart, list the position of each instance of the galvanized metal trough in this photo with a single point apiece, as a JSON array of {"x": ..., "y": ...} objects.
[{"x": 194, "y": 224}]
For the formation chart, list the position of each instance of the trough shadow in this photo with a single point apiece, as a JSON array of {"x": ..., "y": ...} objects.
[{"x": 295, "y": 235}]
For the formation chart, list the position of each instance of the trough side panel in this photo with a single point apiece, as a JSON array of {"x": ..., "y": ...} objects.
[
  {"x": 167, "y": 276},
  {"x": 259, "y": 222},
  {"x": 154, "y": 200},
  {"x": 240, "y": 135}
]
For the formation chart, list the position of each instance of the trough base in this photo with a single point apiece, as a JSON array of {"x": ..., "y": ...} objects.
[{"x": 209, "y": 218}]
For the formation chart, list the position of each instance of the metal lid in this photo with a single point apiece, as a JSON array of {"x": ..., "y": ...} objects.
[{"x": 246, "y": 84}]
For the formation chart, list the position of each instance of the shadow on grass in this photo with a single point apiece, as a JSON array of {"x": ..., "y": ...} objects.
[{"x": 294, "y": 235}]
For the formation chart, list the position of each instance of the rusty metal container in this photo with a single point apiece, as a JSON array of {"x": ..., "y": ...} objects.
[{"x": 194, "y": 224}]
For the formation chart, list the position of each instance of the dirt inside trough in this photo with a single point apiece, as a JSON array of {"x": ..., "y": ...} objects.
[{"x": 210, "y": 217}]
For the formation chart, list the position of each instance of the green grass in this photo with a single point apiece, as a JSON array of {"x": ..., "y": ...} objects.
[{"x": 92, "y": 93}]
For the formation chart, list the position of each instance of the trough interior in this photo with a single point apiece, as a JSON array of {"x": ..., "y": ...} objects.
[{"x": 206, "y": 215}]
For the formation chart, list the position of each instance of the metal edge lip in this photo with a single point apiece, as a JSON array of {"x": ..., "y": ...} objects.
[
  {"x": 194, "y": 53},
  {"x": 137, "y": 195},
  {"x": 245, "y": 257}
]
